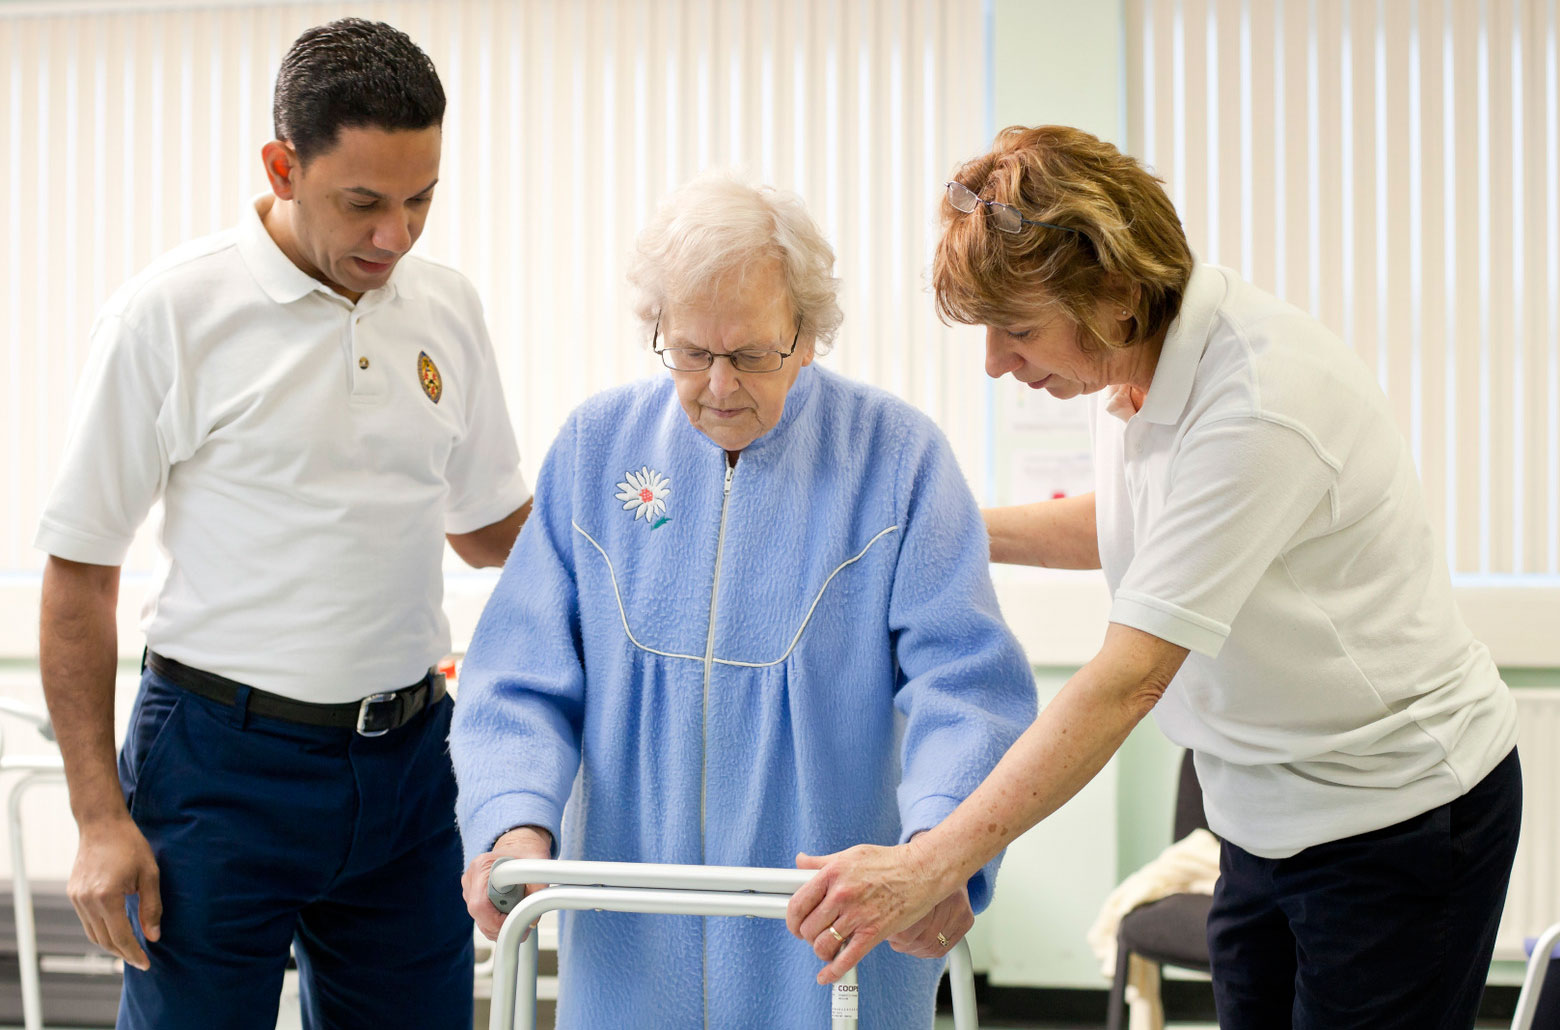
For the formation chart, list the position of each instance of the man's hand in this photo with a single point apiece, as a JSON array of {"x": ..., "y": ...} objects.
[
  {"x": 113, "y": 862},
  {"x": 77, "y": 645},
  {"x": 521, "y": 842}
]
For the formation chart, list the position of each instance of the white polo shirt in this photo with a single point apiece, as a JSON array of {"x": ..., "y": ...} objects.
[
  {"x": 310, "y": 455},
  {"x": 1263, "y": 511}
]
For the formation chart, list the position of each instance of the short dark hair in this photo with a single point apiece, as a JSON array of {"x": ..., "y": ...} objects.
[{"x": 349, "y": 74}]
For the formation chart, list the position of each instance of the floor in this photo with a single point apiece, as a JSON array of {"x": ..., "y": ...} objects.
[
  {"x": 946, "y": 1022},
  {"x": 289, "y": 1019}
]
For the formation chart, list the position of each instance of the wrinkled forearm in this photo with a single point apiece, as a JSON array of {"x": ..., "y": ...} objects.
[
  {"x": 1059, "y": 534},
  {"x": 1062, "y": 750},
  {"x": 489, "y": 547}
]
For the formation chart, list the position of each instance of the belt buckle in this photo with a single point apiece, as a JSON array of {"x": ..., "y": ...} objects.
[{"x": 368, "y": 723}]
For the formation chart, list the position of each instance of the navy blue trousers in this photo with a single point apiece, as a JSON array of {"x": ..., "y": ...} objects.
[
  {"x": 269, "y": 834},
  {"x": 1388, "y": 929}
]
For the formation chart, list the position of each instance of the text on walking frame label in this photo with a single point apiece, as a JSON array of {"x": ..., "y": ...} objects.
[{"x": 845, "y": 996}]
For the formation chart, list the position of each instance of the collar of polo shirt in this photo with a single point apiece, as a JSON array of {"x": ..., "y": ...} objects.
[
  {"x": 283, "y": 281},
  {"x": 1166, "y": 400}
]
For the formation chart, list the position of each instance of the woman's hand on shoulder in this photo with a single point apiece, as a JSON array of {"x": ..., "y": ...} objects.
[{"x": 1055, "y": 534}]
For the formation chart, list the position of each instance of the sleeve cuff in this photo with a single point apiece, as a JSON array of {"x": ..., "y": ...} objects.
[
  {"x": 1169, "y": 622},
  {"x": 925, "y": 813},
  {"x": 501, "y": 814},
  {"x": 73, "y": 546},
  {"x": 468, "y": 520}
]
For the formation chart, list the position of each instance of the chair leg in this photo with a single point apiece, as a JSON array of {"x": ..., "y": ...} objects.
[
  {"x": 1115, "y": 1012},
  {"x": 1153, "y": 977}
]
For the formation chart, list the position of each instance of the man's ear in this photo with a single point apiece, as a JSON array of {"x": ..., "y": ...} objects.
[{"x": 281, "y": 166}]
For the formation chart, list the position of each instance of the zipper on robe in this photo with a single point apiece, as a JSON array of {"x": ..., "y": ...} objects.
[{"x": 709, "y": 666}]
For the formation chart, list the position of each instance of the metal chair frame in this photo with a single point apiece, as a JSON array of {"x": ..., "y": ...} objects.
[
  {"x": 1533, "y": 979},
  {"x": 35, "y": 771}
]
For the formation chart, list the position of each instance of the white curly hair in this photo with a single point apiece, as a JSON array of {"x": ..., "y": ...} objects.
[{"x": 716, "y": 225}]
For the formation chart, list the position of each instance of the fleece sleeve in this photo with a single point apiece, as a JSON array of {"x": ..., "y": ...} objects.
[
  {"x": 515, "y": 740},
  {"x": 965, "y": 688}
]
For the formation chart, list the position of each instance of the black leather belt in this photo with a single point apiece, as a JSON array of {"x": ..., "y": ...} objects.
[{"x": 375, "y": 715}]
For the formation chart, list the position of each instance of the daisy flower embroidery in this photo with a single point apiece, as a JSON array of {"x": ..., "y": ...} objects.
[{"x": 644, "y": 493}]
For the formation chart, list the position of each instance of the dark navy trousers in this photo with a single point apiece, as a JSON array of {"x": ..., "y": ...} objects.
[
  {"x": 270, "y": 834},
  {"x": 1388, "y": 929}
]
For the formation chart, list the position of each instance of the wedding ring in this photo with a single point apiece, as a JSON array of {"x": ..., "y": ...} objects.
[
  {"x": 837, "y": 935},
  {"x": 943, "y": 941}
]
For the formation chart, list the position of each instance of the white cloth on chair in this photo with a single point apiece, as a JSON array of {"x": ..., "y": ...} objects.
[{"x": 1189, "y": 866}]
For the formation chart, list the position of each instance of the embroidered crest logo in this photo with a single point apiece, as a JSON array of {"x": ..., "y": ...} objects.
[
  {"x": 428, "y": 375},
  {"x": 644, "y": 493}
]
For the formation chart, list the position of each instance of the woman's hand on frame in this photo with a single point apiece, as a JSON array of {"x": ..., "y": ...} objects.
[
  {"x": 934, "y": 934},
  {"x": 859, "y": 898}
]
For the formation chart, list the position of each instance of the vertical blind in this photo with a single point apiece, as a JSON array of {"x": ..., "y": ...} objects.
[
  {"x": 131, "y": 127},
  {"x": 1390, "y": 166}
]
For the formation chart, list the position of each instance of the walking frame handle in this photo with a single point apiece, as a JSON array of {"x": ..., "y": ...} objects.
[{"x": 650, "y": 888}]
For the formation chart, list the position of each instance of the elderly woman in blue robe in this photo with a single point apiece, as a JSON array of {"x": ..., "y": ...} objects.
[{"x": 750, "y": 616}]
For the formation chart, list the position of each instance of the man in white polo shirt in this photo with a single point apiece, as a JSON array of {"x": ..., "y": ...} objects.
[{"x": 317, "y": 413}]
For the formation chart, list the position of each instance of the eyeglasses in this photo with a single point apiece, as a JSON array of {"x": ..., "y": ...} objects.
[
  {"x": 1003, "y": 216},
  {"x": 696, "y": 359}
]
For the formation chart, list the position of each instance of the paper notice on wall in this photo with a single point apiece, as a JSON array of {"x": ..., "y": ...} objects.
[
  {"x": 1028, "y": 411},
  {"x": 1043, "y": 475},
  {"x": 1043, "y": 448}
]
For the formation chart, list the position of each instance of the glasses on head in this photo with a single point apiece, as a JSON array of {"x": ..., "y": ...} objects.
[
  {"x": 697, "y": 359},
  {"x": 1002, "y": 216}
]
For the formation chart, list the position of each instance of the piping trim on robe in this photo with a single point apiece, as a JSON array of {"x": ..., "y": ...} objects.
[{"x": 623, "y": 613}]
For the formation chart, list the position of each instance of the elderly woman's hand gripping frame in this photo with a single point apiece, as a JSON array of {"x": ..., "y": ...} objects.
[
  {"x": 869, "y": 894},
  {"x": 520, "y": 842}
]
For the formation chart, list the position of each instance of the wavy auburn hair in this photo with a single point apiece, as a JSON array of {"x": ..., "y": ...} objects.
[{"x": 1122, "y": 241}]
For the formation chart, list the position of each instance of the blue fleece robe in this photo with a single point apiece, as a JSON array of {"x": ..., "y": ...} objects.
[{"x": 800, "y": 655}]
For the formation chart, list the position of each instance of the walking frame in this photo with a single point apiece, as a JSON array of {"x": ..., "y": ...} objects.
[{"x": 692, "y": 890}]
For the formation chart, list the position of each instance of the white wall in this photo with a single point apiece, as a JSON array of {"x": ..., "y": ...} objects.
[{"x": 1054, "y": 62}]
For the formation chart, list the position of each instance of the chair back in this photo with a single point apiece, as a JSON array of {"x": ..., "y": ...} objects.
[
  {"x": 1189, "y": 814},
  {"x": 1534, "y": 1005}
]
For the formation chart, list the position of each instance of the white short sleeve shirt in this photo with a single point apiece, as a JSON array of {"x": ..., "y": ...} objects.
[
  {"x": 1263, "y": 511},
  {"x": 310, "y": 454}
]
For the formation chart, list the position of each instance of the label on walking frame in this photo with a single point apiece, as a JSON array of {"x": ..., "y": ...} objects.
[{"x": 845, "y": 998}]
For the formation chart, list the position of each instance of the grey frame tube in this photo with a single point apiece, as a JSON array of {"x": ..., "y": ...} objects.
[{"x": 646, "y": 888}]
